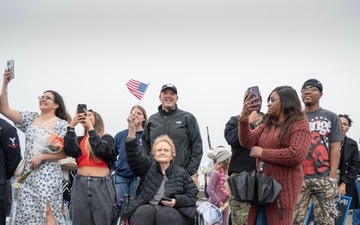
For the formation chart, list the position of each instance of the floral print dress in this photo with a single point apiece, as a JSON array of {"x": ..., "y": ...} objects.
[{"x": 43, "y": 184}]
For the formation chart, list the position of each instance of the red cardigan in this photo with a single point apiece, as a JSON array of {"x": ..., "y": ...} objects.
[{"x": 284, "y": 164}]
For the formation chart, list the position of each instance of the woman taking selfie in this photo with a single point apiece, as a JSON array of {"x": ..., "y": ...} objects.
[
  {"x": 93, "y": 190},
  {"x": 281, "y": 141},
  {"x": 40, "y": 197}
]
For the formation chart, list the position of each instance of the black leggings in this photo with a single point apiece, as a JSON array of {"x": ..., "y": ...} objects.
[{"x": 147, "y": 214}]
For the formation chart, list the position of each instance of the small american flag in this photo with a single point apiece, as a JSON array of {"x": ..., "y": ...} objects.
[{"x": 137, "y": 88}]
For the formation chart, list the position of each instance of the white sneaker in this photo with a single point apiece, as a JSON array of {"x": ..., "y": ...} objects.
[{"x": 8, "y": 219}]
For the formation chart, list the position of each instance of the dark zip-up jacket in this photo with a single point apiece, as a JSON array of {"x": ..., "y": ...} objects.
[
  {"x": 240, "y": 159},
  {"x": 179, "y": 185},
  {"x": 183, "y": 129}
]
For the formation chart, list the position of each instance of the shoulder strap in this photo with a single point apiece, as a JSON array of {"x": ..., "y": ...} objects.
[{"x": 48, "y": 121}]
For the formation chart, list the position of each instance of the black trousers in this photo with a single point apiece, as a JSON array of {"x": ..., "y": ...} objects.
[
  {"x": 8, "y": 200},
  {"x": 149, "y": 215},
  {"x": 3, "y": 188}
]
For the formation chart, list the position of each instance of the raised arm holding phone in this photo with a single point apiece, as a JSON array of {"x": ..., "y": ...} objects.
[
  {"x": 95, "y": 156},
  {"x": 40, "y": 198}
]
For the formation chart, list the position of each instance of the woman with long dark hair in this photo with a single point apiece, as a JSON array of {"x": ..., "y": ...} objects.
[
  {"x": 281, "y": 142},
  {"x": 40, "y": 198}
]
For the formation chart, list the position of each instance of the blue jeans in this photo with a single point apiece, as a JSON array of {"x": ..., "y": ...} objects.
[
  {"x": 356, "y": 212},
  {"x": 261, "y": 216},
  {"x": 125, "y": 185},
  {"x": 67, "y": 211},
  {"x": 12, "y": 180}
]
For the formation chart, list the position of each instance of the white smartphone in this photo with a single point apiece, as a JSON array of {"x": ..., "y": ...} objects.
[{"x": 10, "y": 66}]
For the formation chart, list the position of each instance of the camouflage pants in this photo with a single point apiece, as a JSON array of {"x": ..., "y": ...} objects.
[
  {"x": 321, "y": 191},
  {"x": 239, "y": 211}
]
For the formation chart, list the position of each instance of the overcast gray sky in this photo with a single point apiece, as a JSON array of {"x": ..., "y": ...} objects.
[{"x": 210, "y": 50}]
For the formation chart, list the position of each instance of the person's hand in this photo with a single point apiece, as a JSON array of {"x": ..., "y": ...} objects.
[
  {"x": 75, "y": 120},
  {"x": 168, "y": 203},
  {"x": 132, "y": 121},
  {"x": 7, "y": 75},
  {"x": 249, "y": 106},
  {"x": 342, "y": 189},
  {"x": 254, "y": 116},
  {"x": 256, "y": 151},
  {"x": 36, "y": 161},
  {"x": 137, "y": 120},
  {"x": 85, "y": 121}
]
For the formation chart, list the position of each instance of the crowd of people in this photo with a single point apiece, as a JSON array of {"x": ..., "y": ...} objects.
[{"x": 149, "y": 168}]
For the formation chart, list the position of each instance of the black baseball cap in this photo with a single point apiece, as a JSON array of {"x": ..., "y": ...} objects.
[
  {"x": 313, "y": 82},
  {"x": 166, "y": 86}
]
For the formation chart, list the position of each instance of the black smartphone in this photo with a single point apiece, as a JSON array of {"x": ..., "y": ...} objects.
[
  {"x": 81, "y": 108},
  {"x": 10, "y": 66},
  {"x": 166, "y": 199},
  {"x": 255, "y": 90}
]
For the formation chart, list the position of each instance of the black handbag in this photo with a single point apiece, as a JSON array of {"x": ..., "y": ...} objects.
[{"x": 256, "y": 189}]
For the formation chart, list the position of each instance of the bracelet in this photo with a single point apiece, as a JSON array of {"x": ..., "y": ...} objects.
[
  {"x": 71, "y": 129},
  {"x": 42, "y": 156}
]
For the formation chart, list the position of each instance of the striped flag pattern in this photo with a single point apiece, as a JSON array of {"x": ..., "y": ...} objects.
[{"x": 137, "y": 88}]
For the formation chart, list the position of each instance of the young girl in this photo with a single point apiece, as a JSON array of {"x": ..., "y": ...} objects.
[{"x": 218, "y": 188}]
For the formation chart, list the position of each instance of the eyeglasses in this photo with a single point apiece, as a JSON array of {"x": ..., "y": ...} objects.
[
  {"x": 310, "y": 89},
  {"x": 45, "y": 98},
  {"x": 272, "y": 100}
]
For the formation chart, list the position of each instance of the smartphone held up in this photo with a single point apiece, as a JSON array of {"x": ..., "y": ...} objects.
[
  {"x": 10, "y": 66},
  {"x": 81, "y": 108},
  {"x": 254, "y": 93}
]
